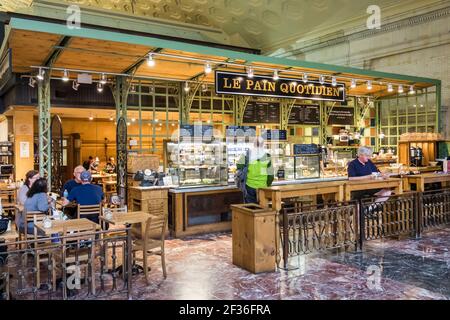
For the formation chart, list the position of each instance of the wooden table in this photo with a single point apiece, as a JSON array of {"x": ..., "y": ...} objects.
[
  {"x": 369, "y": 184},
  {"x": 9, "y": 236},
  {"x": 70, "y": 225},
  {"x": 278, "y": 193},
  {"x": 421, "y": 180},
  {"x": 127, "y": 218}
]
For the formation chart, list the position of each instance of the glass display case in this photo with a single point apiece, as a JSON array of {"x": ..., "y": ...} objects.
[
  {"x": 197, "y": 163},
  {"x": 337, "y": 162},
  {"x": 283, "y": 167},
  {"x": 235, "y": 150},
  {"x": 307, "y": 166}
]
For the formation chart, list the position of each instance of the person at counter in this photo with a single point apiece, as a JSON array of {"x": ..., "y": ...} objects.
[
  {"x": 258, "y": 164},
  {"x": 86, "y": 194},
  {"x": 363, "y": 168}
]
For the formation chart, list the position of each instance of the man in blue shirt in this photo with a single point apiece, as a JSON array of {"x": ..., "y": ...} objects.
[
  {"x": 362, "y": 168},
  {"x": 75, "y": 182},
  {"x": 86, "y": 194}
]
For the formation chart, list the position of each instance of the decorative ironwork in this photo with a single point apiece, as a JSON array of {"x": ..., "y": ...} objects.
[
  {"x": 57, "y": 154},
  {"x": 44, "y": 128},
  {"x": 315, "y": 228},
  {"x": 392, "y": 217},
  {"x": 122, "y": 154},
  {"x": 435, "y": 207},
  {"x": 73, "y": 269}
]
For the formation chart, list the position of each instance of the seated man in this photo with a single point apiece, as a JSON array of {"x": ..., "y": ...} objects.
[
  {"x": 75, "y": 182},
  {"x": 86, "y": 194},
  {"x": 362, "y": 168}
]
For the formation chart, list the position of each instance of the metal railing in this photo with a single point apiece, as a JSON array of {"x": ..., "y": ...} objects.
[
  {"x": 306, "y": 229},
  {"x": 435, "y": 209},
  {"x": 72, "y": 269},
  {"x": 384, "y": 217}
]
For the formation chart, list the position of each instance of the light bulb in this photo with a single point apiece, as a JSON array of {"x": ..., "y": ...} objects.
[
  {"x": 250, "y": 73},
  {"x": 91, "y": 118},
  {"x": 353, "y": 85},
  {"x": 390, "y": 88},
  {"x": 208, "y": 68},
  {"x": 369, "y": 85},
  {"x": 411, "y": 90},
  {"x": 333, "y": 81},
  {"x": 305, "y": 78},
  {"x": 150, "y": 60},
  {"x": 275, "y": 75},
  {"x": 65, "y": 77},
  {"x": 99, "y": 87},
  {"x": 103, "y": 79},
  {"x": 186, "y": 87},
  {"x": 40, "y": 75},
  {"x": 400, "y": 89},
  {"x": 322, "y": 79}
]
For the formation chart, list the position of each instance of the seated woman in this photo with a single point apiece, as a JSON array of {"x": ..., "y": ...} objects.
[
  {"x": 37, "y": 200},
  {"x": 362, "y": 168},
  {"x": 30, "y": 178}
]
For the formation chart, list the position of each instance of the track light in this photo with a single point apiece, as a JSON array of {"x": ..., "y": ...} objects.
[
  {"x": 40, "y": 75},
  {"x": 32, "y": 82},
  {"x": 99, "y": 87},
  {"x": 390, "y": 88},
  {"x": 411, "y": 90},
  {"x": 305, "y": 78},
  {"x": 186, "y": 87},
  {"x": 111, "y": 118},
  {"x": 91, "y": 117},
  {"x": 400, "y": 89},
  {"x": 369, "y": 85},
  {"x": 275, "y": 75},
  {"x": 75, "y": 85},
  {"x": 353, "y": 84},
  {"x": 65, "y": 77},
  {"x": 333, "y": 81},
  {"x": 133, "y": 88},
  {"x": 103, "y": 79},
  {"x": 322, "y": 79},
  {"x": 250, "y": 73},
  {"x": 150, "y": 60},
  {"x": 208, "y": 68}
]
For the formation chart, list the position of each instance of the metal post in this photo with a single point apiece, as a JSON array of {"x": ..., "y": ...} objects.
[{"x": 44, "y": 128}]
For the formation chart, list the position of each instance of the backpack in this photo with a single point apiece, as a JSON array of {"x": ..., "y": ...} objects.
[{"x": 240, "y": 178}]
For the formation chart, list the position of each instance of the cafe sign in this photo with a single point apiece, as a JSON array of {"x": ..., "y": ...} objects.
[{"x": 262, "y": 86}]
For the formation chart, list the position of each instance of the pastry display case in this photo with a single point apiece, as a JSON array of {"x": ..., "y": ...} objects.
[
  {"x": 307, "y": 166},
  {"x": 197, "y": 163}
]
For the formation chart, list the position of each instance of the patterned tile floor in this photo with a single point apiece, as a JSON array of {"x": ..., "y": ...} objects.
[{"x": 201, "y": 268}]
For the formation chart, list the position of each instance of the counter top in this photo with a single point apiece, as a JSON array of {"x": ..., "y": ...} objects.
[
  {"x": 150, "y": 188},
  {"x": 203, "y": 189}
]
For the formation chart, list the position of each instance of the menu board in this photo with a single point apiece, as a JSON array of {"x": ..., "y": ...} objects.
[
  {"x": 306, "y": 149},
  {"x": 200, "y": 131},
  {"x": 240, "y": 131},
  {"x": 262, "y": 112},
  {"x": 342, "y": 116},
  {"x": 274, "y": 135},
  {"x": 305, "y": 114}
]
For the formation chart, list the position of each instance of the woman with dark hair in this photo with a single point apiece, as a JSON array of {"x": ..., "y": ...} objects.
[
  {"x": 30, "y": 178},
  {"x": 37, "y": 200}
]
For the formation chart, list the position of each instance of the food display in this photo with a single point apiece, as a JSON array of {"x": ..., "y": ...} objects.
[
  {"x": 235, "y": 150},
  {"x": 197, "y": 163},
  {"x": 307, "y": 166}
]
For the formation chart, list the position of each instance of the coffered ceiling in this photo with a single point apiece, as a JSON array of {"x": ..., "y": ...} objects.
[{"x": 260, "y": 24}]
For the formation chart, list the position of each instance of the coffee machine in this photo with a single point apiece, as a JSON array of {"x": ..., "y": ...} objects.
[{"x": 416, "y": 156}]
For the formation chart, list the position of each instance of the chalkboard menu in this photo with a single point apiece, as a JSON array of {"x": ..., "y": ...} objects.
[
  {"x": 305, "y": 114},
  {"x": 274, "y": 135},
  {"x": 262, "y": 112},
  {"x": 241, "y": 131},
  {"x": 342, "y": 116},
  {"x": 306, "y": 149}
]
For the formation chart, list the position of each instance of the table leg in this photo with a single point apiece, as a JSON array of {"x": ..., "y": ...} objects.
[{"x": 263, "y": 201}]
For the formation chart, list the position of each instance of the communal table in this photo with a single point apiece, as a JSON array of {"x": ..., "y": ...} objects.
[
  {"x": 420, "y": 180},
  {"x": 9, "y": 236},
  {"x": 370, "y": 184},
  {"x": 277, "y": 193}
]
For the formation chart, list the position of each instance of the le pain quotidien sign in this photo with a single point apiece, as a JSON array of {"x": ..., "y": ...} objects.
[{"x": 262, "y": 86}]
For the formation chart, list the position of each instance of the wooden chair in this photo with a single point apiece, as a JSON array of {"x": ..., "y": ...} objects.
[
  {"x": 109, "y": 189},
  {"x": 89, "y": 210},
  {"x": 78, "y": 249},
  {"x": 8, "y": 198},
  {"x": 151, "y": 245}
]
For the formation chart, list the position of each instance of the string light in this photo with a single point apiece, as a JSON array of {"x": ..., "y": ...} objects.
[
  {"x": 65, "y": 77},
  {"x": 150, "y": 60},
  {"x": 208, "y": 68},
  {"x": 275, "y": 75}
]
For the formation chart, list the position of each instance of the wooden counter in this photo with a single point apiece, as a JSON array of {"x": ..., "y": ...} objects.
[
  {"x": 278, "y": 193},
  {"x": 201, "y": 210},
  {"x": 421, "y": 180},
  {"x": 369, "y": 184}
]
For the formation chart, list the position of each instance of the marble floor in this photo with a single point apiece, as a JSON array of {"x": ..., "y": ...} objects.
[{"x": 201, "y": 268}]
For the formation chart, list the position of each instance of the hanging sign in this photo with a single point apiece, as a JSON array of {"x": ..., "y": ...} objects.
[
  {"x": 342, "y": 116},
  {"x": 265, "y": 86},
  {"x": 305, "y": 114},
  {"x": 261, "y": 112}
]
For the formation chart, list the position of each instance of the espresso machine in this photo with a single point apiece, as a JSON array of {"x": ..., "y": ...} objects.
[{"x": 416, "y": 156}]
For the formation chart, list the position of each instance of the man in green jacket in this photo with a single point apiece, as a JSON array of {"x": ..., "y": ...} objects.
[{"x": 259, "y": 170}]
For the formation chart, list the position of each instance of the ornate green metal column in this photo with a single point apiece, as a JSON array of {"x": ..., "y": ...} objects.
[
  {"x": 44, "y": 128},
  {"x": 286, "y": 106},
  {"x": 240, "y": 103},
  {"x": 187, "y": 98}
]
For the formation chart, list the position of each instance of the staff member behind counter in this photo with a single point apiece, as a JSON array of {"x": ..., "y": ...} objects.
[{"x": 362, "y": 168}]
